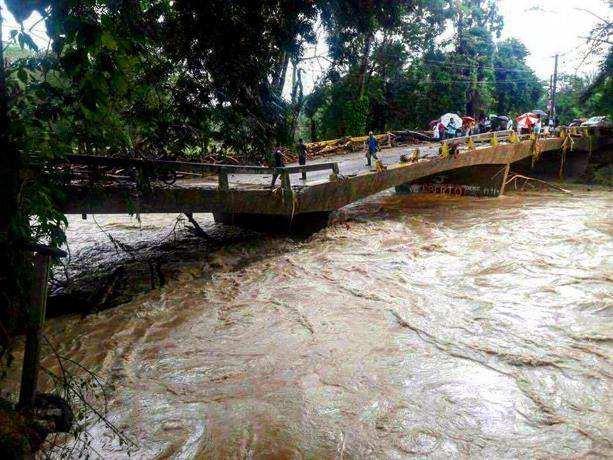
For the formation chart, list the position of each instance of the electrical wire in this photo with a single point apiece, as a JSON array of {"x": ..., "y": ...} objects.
[
  {"x": 469, "y": 66},
  {"x": 485, "y": 82}
]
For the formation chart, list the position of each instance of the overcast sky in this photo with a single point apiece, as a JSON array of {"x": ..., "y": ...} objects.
[{"x": 546, "y": 27}]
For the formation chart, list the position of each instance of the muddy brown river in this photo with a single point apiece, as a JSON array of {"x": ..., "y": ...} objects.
[{"x": 414, "y": 327}]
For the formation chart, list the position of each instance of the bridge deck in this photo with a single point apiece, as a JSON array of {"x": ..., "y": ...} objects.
[{"x": 251, "y": 193}]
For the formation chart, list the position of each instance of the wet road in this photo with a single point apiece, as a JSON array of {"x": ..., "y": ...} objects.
[
  {"x": 349, "y": 164},
  {"x": 415, "y": 327}
]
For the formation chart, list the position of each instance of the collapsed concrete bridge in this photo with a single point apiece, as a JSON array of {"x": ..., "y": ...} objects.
[{"x": 242, "y": 195}]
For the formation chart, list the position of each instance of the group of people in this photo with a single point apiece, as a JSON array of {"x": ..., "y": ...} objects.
[
  {"x": 277, "y": 159},
  {"x": 452, "y": 129},
  {"x": 537, "y": 128},
  {"x": 441, "y": 132},
  {"x": 371, "y": 147}
]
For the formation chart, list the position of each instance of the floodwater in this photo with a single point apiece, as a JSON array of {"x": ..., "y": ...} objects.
[{"x": 416, "y": 327}]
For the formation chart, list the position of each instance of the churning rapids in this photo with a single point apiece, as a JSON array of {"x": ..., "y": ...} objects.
[{"x": 414, "y": 327}]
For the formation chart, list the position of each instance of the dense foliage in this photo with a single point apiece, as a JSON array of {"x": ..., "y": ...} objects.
[{"x": 408, "y": 79}]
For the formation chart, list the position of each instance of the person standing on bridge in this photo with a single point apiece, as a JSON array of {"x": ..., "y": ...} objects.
[
  {"x": 451, "y": 129},
  {"x": 277, "y": 162},
  {"x": 537, "y": 126},
  {"x": 302, "y": 156},
  {"x": 441, "y": 131},
  {"x": 372, "y": 147}
]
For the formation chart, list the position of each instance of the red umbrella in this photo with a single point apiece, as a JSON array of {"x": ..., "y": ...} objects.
[
  {"x": 468, "y": 120},
  {"x": 527, "y": 119},
  {"x": 433, "y": 122}
]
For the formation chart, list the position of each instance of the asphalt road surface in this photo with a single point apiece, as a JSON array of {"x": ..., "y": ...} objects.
[{"x": 349, "y": 164}]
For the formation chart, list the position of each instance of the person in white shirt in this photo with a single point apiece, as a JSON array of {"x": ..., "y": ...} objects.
[{"x": 537, "y": 126}]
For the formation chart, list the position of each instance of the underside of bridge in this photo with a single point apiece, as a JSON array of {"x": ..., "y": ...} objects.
[{"x": 306, "y": 223}]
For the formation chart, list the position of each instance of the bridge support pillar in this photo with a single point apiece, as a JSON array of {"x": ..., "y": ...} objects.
[
  {"x": 504, "y": 178},
  {"x": 305, "y": 223}
]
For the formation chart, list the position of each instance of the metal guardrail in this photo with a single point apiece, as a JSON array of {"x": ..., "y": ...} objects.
[
  {"x": 478, "y": 137},
  {"x": 504, "y": 135}
]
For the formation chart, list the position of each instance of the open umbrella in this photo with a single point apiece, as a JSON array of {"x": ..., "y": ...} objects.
[
  {"x": 468, "y": 120},
  {"x": 539, "y": 112},
  {"x": 503, "y": 118},
  {"x": 446, "y": 119},
  {"x": 434, "y": 122},
  {"x": 527, "y": 119}
]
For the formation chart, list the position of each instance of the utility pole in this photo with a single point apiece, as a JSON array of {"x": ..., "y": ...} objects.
[
  {"x": 553, "y": 91},
  {"x": 549, "y": 93}
]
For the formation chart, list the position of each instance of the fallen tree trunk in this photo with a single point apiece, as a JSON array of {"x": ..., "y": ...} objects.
[{"x": 411, "y": 136}]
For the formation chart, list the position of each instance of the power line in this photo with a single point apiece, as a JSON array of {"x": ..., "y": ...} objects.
[
  {"x": 485, "y": 82},
  {"x": 41, "y": 36},
  {"x": 26, "y": 29},
  {"x": 469, "y": 66}
]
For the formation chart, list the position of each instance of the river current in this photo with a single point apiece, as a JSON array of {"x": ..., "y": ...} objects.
[{"x": 414, "y": 327}]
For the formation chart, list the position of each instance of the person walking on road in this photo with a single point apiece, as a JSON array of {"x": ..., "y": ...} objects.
[
  {"x": 302, "y": 156},
  {"x": 277, "y": 162},
  {"x": 372, "y": 147}
]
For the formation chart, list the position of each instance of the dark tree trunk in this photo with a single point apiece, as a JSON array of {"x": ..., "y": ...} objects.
[
  {"x": 313, "y": 130},
  {"x": 297, "y": 98},
  {"x": 470, "y": 100},
  {"x": 280, "y": 72},
  {"x": 364, "y": 66}
]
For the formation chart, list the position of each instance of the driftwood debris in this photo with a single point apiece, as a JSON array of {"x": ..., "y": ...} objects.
[
  {"x": 336, "y": 146},
  {"x": 109, "y": 289},
  {"x": 197, "y": 229},
  {"x": 514, "y": 177},
  {"x": 406, "y": 136},
  {"x": 353, "y": 144}
]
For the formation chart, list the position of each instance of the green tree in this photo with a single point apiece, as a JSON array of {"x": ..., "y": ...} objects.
[
  {"x": 234, "y": 57},
  {"x": 598, "y": 95},
  {"x": 476, "y": 23},
  {"x": 568, "y": 98},
  {"x": 516, "y": 87},
  {"x": 360, "y": 37}
]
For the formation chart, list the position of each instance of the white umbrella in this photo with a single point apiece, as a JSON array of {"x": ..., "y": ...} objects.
[{"x": 445, "y": 119}]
